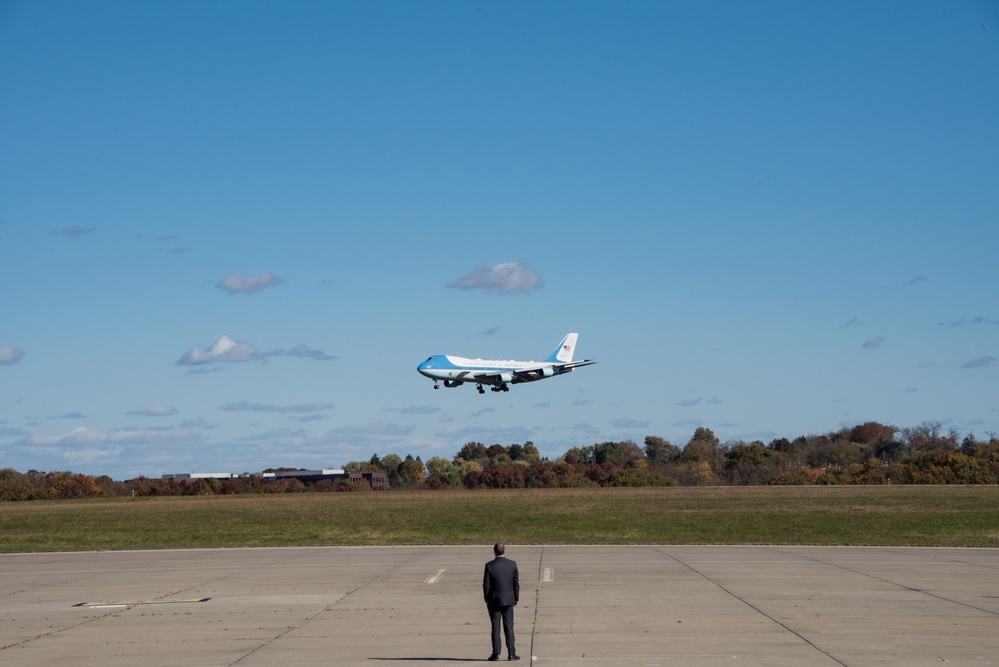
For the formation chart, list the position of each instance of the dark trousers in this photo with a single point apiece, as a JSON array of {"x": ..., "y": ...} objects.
[{"x": 495, "y": 615}]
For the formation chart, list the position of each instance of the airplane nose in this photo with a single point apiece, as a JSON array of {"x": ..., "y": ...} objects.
[{"x": 431, "y": 367}]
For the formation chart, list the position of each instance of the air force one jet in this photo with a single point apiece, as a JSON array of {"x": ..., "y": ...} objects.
[{"x": 456, "y": 371}]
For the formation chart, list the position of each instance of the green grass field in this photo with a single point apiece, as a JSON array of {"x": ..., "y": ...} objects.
[{"x": 826, "y": 515}]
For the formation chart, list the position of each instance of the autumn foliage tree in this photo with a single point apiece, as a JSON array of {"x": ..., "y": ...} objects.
[{"x": 868, "y": 453}]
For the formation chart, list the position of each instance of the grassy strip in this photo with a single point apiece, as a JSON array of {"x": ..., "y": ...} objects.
[{"x": 897, "y": 515}]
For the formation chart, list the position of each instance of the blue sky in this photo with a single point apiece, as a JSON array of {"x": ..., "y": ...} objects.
[{"x": 230, "y": 231}]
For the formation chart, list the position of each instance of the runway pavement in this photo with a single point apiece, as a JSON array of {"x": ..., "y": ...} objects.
[{"x": 699, "y": 606}]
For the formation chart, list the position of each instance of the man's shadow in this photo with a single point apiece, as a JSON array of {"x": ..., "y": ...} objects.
[{"x": 433, "y": 659}]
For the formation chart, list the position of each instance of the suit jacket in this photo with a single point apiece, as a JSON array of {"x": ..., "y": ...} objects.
[{"x": 501, "y": 582}]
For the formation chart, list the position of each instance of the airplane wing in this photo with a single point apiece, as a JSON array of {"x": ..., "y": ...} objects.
[{"x": 516, "y": 376}]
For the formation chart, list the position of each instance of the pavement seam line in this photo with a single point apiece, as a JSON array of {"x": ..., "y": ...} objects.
[
  {"x": 325, "y": 609},
  {"x": 896, "y": 584},
  {"x": 537, "y": 600},
  {"x": 55, "y": 632},
  {"x": 752, "y": 606},
  {"x": 117, "y": 610}
]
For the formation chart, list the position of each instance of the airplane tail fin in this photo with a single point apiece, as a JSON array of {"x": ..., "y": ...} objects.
[{"x": 563, "y": 353}]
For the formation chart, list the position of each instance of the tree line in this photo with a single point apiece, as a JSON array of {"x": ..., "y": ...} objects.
[{"x": 869, "y": 453}]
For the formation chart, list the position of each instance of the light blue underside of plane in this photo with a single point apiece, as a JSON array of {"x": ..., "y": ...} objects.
[{"x": 455, "y": 371}]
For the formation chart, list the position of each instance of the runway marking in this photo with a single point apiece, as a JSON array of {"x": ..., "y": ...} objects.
[
  {"x": 100, "y": 605},
  {"x": 435, "y": 577},
  {"x": 548, "y": 576}
]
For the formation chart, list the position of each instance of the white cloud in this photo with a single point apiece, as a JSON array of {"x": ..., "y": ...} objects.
[
  {"x": 981, "y": 362},
  {"x": 307, "y": 352},
  {"x": 955, "y": 324},
  {"x": 485, "y": 434},
  {"x": 88, "y": 456},
  {"x": 225, "y": 349},
  {"x": 84, "y": 435},
  {"x": 76, "y": 231},
  {"x": 419, "y": 410},
  {"x": 10, "y": 354},
  {"x": 154, "y": 411},
  {"x": 503, "y": 278},
  {"x": 873, "y": 343},
  {"x": 237, "y": 283},
  {"x": 204, "y": 371},
  {"x": 626, "y": 422},
  {"x": 246, "y": 406},
  {"x": 87, "y": 447},
  {"x": 71, "y": 415},
  {"x": 307, "y": 418},
  {"x": 317, "y": 448},
  {"x": 374, "y": 428},
  {"x": 298, "y": 435}
]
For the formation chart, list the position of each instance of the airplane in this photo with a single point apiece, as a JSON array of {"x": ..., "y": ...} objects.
[{"x": 455, "y": 371}]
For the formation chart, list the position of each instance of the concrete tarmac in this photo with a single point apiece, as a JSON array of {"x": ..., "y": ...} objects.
[{"x": 642, "y": 606}]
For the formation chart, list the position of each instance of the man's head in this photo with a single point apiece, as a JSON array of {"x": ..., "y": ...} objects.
[{"x": 499, "y": 549}]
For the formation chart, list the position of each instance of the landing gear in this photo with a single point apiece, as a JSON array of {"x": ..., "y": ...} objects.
[
  {"x": 502, "y": 387},
  {"x": 479, "y": 387},
  {"x": 436, "y": 386}
]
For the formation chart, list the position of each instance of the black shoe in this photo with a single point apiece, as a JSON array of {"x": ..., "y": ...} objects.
[
  {"x": 514, "y": 657},
  {"x": 492, "y": 657}
]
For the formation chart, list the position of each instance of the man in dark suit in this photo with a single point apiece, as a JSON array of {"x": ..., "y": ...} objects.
[{"x": 501, "y": 590}]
